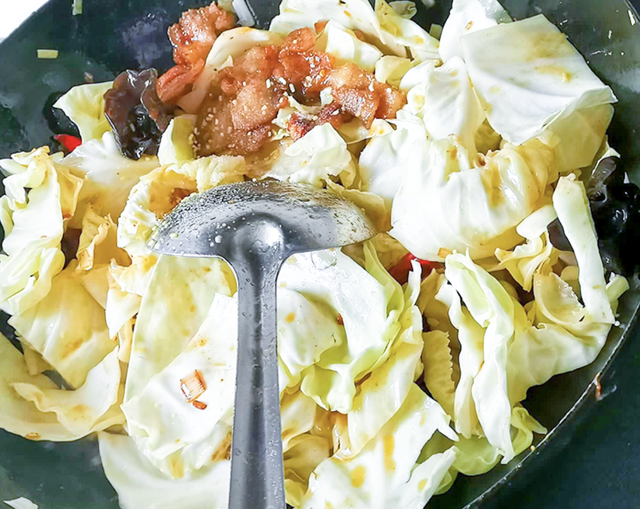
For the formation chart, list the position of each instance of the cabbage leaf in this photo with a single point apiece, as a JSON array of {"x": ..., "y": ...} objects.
[
  {"x": 498, "y": 192},
  {"x": 527, "y": 75},
  {"x": 468, "y": 16},
  {"x": 84, "y": 105}
]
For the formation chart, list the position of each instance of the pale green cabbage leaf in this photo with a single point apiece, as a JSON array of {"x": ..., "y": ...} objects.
[
  {"x": 84, "y": 105},
  {"x": 342, "y": 43},
  {"x": 176, "y": 144},
  {"x": 139, "y": 484},
  {"x": 68, "y": 328},
  {"x": 108, "y": 176},
  {"x": 384, "y": 474},
  {"x": 443, "y": 98},
  {"x": 497, "y": 191},
  {"x": 34, "y": 224},
  {"x": 21, "y": 417}
]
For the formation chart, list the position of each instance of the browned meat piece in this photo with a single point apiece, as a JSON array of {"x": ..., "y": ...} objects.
[
  {"x": 193, "y": 36},
  {"x": 177, "y": 81},
  {"x": 192, "y": 39},
  {"x": 244, "y": 99}
]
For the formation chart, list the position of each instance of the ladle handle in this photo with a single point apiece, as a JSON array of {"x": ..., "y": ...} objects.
[{"x": 257, "y": 474}]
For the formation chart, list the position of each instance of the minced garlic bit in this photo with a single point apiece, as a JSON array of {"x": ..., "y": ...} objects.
[
  {"x": 193, "y": 386},
  {"x": 48, "y": 54},
  {"x": 76, "y": 8}
]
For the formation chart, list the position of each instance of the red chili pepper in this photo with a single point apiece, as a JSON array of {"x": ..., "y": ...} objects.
[
  {"x": 400, "y": 271},
  {"x": 70, "y": 143}
]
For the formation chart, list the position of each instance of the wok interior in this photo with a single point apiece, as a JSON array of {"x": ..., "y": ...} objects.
[{"x": 70, "y": 475}]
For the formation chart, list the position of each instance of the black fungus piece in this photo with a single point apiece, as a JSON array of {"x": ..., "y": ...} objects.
[
  {"x": 615, "y": 207},
  {"x": 558, "y": 237},
  {"x": 137, "y": 115}
]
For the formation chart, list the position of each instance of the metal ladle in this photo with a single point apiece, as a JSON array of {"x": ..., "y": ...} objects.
[{"x": 255, "y": 227}]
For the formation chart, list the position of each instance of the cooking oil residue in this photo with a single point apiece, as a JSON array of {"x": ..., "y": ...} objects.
[{"x": 358, "y": 476}]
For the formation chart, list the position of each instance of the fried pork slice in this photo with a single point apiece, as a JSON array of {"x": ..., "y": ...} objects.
[
  {"x": 244, "y": 99},
  {"x": 192, "y": 39}
]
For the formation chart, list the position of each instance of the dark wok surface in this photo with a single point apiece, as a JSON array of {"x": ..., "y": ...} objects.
[{"x": 591, "y": 461}]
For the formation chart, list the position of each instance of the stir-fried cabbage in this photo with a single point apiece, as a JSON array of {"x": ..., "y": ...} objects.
[{"x": 403, "y": 361}]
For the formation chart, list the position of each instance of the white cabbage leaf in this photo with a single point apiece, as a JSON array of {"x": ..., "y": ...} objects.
[
  {"x": 176, "y": 144},
  {"x": 21, "y": 503},
  {"x": 84, "y": 105},
  {"x": 380, "y": 396},
  {"x": 175, "y": 304},
  {"x": 470, "y": 206},
  {"x": 493, "y": 309},
  {"x": 388, "y": 157},
  {"x": 108, "y": 176},
  {"x": 161, "y": 190},
  {"x": 68, "y": 328},
  {"x": 315, "y": 158},
  {"x": 34, "y": 224},
  {"x": 580, "y": 136},
  {"x": 445, "y": 101},
  {"x": 565, "y": 334},
  {"x": 525, "y": 260},
  {"x": 92, "y": 407},
  {"x": 140, "y": 485},
  {"x": 342, "y": 43},
  {"x": 97, "y": 245},
  {"x": 384, "y": 474},
  {"x": 384, "y": 26},
  {"x": 368, "y": 302},
  {"x": 229, "y": 45},
  {"x": 572, "y": 206},
  {"x": 209, "y": 356},
  {"x": 391, "y": 69},
  {"x": 21, "y": 417},
  {"x": 527, "y": 75},
  {"x": 468, "y": 16}
]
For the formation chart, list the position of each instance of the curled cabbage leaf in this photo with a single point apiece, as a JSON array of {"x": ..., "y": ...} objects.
[
  {"x": 445, "y": 101},
  {"x": 84, "y": 105},
  {"x": 493, "y": 309},
  {"x": 59, "y": 408},
  {"x": 447, "y": 203},
  {"x": 142, "y": 485},
  {"x": 468, "y": 16},
  {"x": 34, "y": 224},
  {"x": 176, "y": 144},
  {"x": 68, "y": 328},
  {"x": 381, "y": 395},
  {"x": 527, "y": 75},
  {"x": 108, "y": 176},
  {"x": 525, "y": 260},
  {"x": 385, "y": 473},
  {"x": 393, "y": 32},
  {"x": 92, "y": 407},
  {"x": 315, "y": 158},
  {"x": 343, "y": 44},
  {"x": 161, "y": 190}
]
